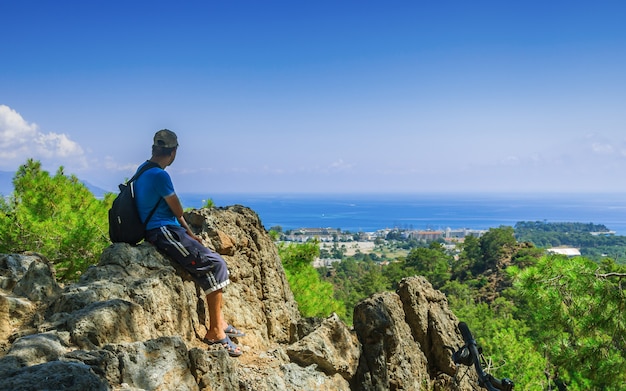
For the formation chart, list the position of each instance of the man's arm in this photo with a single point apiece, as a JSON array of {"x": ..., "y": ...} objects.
[{"x": 177, "y": 208}]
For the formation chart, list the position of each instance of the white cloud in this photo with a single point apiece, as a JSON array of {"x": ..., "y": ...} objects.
[{"x": 20, "y": 140}]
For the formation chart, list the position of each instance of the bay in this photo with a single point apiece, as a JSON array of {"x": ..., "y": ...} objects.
[{"x": 371, "y": 212}]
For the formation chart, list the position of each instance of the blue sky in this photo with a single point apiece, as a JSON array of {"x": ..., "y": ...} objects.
[{"x": 324, "y": 96}]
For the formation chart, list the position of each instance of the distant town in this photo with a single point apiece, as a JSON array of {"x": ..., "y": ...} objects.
[
  {"x": 336, "y": 235},
  {"x": 352, "y": 243}
]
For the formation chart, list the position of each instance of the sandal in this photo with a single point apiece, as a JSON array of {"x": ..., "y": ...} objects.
[
  {"x": 227, "y": 344},
  {"x": 232, "y": 332}
]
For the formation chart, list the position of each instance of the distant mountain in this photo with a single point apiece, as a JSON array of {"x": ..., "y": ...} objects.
[
  {"x": 6, "y": 185},
  {"x": 97, "y": 191}
]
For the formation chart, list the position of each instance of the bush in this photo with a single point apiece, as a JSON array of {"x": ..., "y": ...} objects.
[
  {"x": 56, "y": 216},
  {"x": 314, "y": 296}
]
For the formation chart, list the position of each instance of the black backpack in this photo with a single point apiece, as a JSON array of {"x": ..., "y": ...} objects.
[{"x": 125, "y": 225}]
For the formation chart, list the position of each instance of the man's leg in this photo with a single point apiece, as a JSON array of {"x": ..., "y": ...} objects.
[
  {"x": 216, "y": 319},
  {"x": 217, "y": 325},
  {"x": 209, "y": 270}
]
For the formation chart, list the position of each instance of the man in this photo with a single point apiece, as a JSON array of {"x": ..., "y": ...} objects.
[{"x": 169, "y": 232}]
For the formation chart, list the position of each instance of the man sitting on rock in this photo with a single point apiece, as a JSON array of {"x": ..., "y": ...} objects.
[{"x": 169, "y": 232}]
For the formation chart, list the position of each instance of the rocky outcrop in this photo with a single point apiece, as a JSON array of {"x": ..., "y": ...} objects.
[{"x": 136, "y": 322}]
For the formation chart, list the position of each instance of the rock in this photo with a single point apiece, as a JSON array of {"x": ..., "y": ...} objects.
[
  {"x": 38, "y": 283},
  {"x": 214, "y": 371},
  {"x": 391, "y": 358},
  {"x": 223, "y": 243},
  {"x": 54, "y": 375},
  {"x": 132, "y": 295},
  {"x": 298, "y": 379},
  {"x": 15, "y": 314},
  {"x": 332, "y": 347},
  {"x": 160, "y": 364},
  {"x": 304, "y": 327},
  {"x": 407, "y": 341},
  {"x": 37, "y": 349},
  {"x": 136, "y": 322},
  {"x": 25, "y": 279},
  {"x": 290, "y": 377},
  {"x": 432, "y": 324},
  {"x": 12, "y": 269},
  {"x": 434, "y": 327},
  {"x": 102, "y": 362}
]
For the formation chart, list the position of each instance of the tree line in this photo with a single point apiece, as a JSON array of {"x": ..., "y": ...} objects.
[{"x": 595, "y": 241}]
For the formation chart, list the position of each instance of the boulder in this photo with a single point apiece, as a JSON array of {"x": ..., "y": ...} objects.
[
  {"x": 434, "y": 327},
  {"x": 54, "y": 375},
  {"x": 13, "y": 267},
  {"x": 25, "y": 279},
  {"x": 332, "y": 347},
  {"x": 38, "y": 283},
  {"x": 391, "y": 358},
  {"x": 156, "y": 364}
]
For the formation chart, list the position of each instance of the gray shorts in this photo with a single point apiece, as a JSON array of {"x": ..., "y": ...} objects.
[{"x": 207, "y": 267}]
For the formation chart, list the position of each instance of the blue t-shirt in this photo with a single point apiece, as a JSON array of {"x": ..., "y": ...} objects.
[{"x": 152, "y": 186}]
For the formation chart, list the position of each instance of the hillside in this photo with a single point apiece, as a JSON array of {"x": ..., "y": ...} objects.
[{"x": 136, "y": 322}]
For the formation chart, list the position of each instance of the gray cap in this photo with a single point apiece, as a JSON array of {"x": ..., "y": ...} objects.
[{"x": 165, "y": 138}]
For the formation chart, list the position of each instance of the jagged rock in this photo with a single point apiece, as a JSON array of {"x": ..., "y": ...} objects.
[
  {"x": 15, "y": 313},
  {"x": 332, "y": 347},
  {"x": 102, "y": 362},
  {"x": 12, "y": 269},
  {"x": 408, "y": 339},
  {"x": 136, "y": 322},
  {"x": 38, "y": 283},
  {"x": 133, "y": 294},
  {"x": 432, "y": 323},
  {"x": 24, "y": 280},
  {"x": 223, "y": 243},
  {"x": 304, "y": 327},
  {"x": 434, "y": 327},
  {"x": 290, "y": 377},
  {"x": 54, "y": 375},
  {"x": 391, "y": 359},
  {"x": 298, "y": 378},
  {"x": 213, "y": 374},
  {"x": 160, "y": 364},
  {"x": 37, "y": 349}
]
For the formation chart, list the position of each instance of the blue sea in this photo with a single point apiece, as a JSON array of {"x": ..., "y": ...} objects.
[{"x": 371, "y": 212}]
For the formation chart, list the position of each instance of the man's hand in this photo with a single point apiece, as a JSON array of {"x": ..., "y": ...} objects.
[
  {"x": 194, "y": 237},
  {"x": 177, "y": 209}
]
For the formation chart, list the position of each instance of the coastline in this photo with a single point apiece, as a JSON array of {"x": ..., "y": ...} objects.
[{"x": 370, "y": 212}]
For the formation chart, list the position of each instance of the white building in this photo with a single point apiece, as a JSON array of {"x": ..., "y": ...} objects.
[{"x": 567, "y": 251}]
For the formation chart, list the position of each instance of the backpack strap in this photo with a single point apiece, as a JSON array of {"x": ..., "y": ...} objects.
[
  {"x": 145, "y": 224},
  {"x": 143, "y": 169}
]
